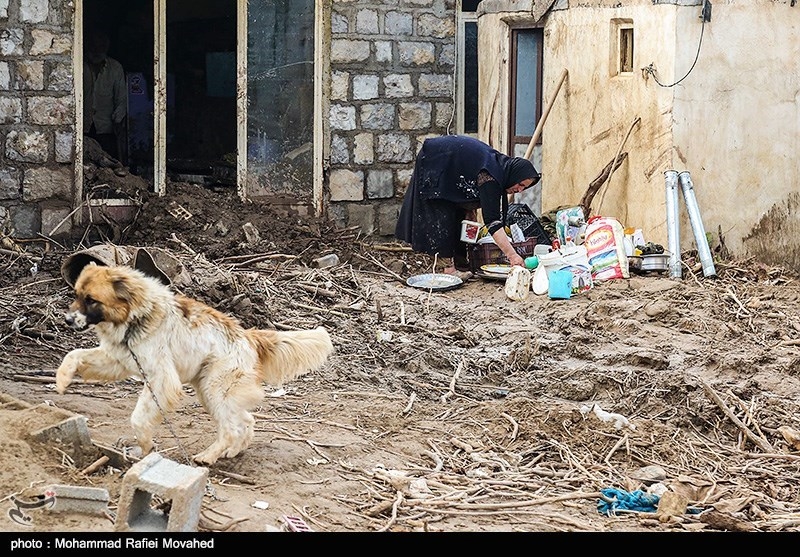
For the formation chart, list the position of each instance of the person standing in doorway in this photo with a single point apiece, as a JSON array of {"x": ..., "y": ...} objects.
[{"x": 105, "y": 96}]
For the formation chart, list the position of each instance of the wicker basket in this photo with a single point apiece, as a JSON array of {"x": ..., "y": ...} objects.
[{"x": 490, "y": 254}]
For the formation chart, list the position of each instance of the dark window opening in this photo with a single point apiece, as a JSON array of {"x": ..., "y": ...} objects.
[
  {"x": 470, "y": 77},
  {"x": 626, "y": 50}
]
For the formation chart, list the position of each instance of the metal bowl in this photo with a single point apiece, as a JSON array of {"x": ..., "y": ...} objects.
[{"x": 655, "y": 262}]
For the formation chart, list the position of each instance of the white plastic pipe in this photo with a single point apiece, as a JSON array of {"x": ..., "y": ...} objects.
[
  {"x": 700, "y": 238},
  {"x": 673, "y": 227}
]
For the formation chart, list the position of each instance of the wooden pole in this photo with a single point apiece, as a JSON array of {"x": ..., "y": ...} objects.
[{"x": 538, "y": 131}]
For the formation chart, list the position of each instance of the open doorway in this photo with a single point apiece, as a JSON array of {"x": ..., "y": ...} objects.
[
  {"x": 201, "y": 91},
  {"x": 120, "y": 121},
  {"x": 200, "y": 134}
]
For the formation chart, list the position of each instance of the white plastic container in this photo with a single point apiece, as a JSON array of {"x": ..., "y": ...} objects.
[{"x": 469, "y": 231}]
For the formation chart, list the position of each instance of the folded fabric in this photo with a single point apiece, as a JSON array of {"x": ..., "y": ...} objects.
[{"x": 630, "y": 501}]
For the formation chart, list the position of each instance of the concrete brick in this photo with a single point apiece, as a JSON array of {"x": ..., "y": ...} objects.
[
  {"x": 387, "y": 218},
  {"x": 55, "y": 216},
  {"x": 346, "y": 185},
  {"x": 72, "y": 437},
  {"x": 339, "y": 23},
  {"x": 365, "y": 87},
  {"x": 33, "y": 11},
  {"x": 416, "y": 53},
  {"x": 363, "y": 216},
  {"x": 383, "y": 51},
  {"x": 181, "y": 485},
  {"x": 340, "y": 84},
  {"x": 48, "y": 42},
  {"x": 78, "y": 499},
  {"x": 380, "y": 184},
  {"x": 344, "y": 50}
]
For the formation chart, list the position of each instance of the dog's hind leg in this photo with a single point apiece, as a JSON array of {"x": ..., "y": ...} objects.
[
  {"x": 232, "y": 438},
  {"x": 229, "y": 409}
]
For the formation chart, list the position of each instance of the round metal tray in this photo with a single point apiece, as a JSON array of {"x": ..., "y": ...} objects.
[{"x": 435, "y": 281}]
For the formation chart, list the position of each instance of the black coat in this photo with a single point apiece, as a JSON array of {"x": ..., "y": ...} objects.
[{"x": 444, "y": 186}]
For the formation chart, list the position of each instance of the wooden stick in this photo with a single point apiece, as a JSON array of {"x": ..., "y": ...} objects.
[
  {"x": 762, "y": 444},
  {"x": 513, "y": 505},
  {"x": 234, "y": 476},
  {"x": 514, "y": 425},
  {"x": 94, "y": 466},
  {"x": 411, "y": 400},
  {"x": 390, "y": 248},
  {"x": 397, "y": 502},
  {"x": 21, "y": 254},
  {"x": 453, "y": 381},
  {"x": 597, "y": 183},
  {"x": 619, "y": 150},
  {"x": 538, "y": 131},
  {"x": 379, "y": 264}
]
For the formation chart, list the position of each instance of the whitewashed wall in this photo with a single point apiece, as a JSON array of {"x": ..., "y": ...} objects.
[{"x": 733, "y": 122}]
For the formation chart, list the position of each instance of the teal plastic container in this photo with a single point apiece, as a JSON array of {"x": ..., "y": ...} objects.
[
  {"x": 531, "y": 262},
  {"x": 559, "y": 284}
]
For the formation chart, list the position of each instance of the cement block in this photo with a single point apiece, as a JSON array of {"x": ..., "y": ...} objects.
[
  {"x": 180, "y": 487},
  {"x": 78, "y": 499},
  {"x": 72, "y": 436}
]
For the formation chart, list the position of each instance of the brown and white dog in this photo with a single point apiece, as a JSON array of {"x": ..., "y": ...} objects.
[{"x": 168, "y": 340}]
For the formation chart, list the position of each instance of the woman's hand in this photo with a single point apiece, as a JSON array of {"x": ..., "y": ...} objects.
[
  {"x": 502, "y": 241},
  {"x": 515, "y": 259}
]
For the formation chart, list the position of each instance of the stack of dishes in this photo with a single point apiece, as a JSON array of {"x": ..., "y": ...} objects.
[{"x": 495, "y": 271}]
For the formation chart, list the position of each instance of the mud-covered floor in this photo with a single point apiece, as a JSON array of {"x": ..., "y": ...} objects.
[{"x": 439, "y": 411}]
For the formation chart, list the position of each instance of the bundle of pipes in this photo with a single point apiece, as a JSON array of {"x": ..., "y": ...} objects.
[{"x": 673, "y": 178}]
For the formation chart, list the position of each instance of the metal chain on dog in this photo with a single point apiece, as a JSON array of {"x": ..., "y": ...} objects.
[{"x": 163, "y": 414}]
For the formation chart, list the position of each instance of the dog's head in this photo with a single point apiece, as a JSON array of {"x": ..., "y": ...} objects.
[{"x": 103, "y": 294}]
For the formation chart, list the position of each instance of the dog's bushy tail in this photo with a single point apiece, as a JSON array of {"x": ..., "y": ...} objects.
[{"x": 286, "y": 355}]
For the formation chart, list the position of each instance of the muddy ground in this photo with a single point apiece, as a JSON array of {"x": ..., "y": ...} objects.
[{"x": 445, "y": 411}]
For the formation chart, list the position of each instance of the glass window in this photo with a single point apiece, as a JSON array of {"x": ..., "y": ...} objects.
[
  {"x": 526, "y": 84},
  {"x": 280, "y": 95},
  {"x": 467, "y": 69}
]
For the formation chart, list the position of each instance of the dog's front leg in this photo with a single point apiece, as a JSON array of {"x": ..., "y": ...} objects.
[
  {"x": 145, "y": 418},
  {"x": 161, "y": 394},
  {"x": 89, "y": 363}
]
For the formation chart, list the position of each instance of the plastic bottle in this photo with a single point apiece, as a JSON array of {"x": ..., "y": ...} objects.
[
  {"x": 531, "y": 262},
  {"x": 627, "y": 241}
]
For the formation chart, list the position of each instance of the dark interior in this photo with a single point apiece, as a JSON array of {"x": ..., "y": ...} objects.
[{"x": 201, "y": 80}]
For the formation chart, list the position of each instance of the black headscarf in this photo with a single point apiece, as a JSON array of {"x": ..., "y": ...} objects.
[{"x": 518, "y": 169}]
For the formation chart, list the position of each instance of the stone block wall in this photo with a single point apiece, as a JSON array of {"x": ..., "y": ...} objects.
[
  {"x": 37, "y": 115},
  {"x": 392, "y": 84}
]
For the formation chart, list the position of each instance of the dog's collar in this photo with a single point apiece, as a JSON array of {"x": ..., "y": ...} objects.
[{"x": 133, "y": 329}]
